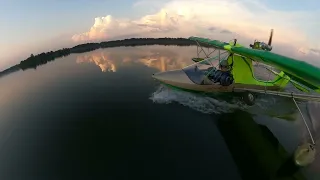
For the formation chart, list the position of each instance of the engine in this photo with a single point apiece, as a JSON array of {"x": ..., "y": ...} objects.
[{"x": 262, "y": 45}]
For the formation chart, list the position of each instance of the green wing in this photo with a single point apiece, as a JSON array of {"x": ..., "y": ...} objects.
[{"x": 214, "y": 43}]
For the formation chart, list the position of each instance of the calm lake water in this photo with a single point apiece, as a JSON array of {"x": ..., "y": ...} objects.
[{"x": 100, "y": 115}]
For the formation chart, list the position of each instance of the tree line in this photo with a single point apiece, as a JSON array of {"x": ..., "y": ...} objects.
[
  {"x": 132, "y": 42},
  {"x": 36, "y": 60}
]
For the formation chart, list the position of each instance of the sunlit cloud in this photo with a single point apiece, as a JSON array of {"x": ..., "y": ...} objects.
[{"x": 220, "y": 19}]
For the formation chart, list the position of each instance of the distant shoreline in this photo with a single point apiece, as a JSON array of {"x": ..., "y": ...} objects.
[{"x": 34, "y": 61}]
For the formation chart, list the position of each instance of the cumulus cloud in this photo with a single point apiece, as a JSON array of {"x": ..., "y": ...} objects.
[{"x": 222, "y": 19}]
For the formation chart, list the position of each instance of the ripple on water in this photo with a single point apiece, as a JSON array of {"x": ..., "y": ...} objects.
[
  {"x": 198, "y": 102},
  {"x": 265, "y": 104}
]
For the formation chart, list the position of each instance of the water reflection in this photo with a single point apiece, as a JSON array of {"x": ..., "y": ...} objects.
[
  {"x": 158, "y": 57},
  {"x": 68, "y": 119},
  {"x": 100, "y": 59},
  {"x": 255, "y": 149}
]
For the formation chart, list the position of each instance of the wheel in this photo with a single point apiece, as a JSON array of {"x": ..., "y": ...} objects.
[{"x": 248, "y": 98}]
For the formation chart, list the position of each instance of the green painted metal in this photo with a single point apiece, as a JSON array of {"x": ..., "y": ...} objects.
[
  {"x": 214, "y": 43},
  {"x": 298, "y": 70},
  {"x": 243, "y": 74}
]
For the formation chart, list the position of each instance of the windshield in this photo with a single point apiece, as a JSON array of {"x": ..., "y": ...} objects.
[{"x": 197, "y": 72}]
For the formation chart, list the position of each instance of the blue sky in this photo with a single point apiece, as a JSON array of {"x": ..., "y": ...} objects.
[
  {"x": 27, "y": 19},
  {"x": 293, "y": 5},
  {"x": 25, "y": 22}
]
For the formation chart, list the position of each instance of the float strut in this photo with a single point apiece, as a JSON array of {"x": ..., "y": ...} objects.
[{"x": 304, "y": 120}]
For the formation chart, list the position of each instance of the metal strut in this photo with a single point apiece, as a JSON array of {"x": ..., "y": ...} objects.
[
  {"x": 305, "y": 123},
  {"x": 198, "y": 45}
]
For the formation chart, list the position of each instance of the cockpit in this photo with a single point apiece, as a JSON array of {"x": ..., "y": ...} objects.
[{"x": 214, "y": 70}]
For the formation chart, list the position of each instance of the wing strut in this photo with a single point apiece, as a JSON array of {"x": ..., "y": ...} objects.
[
  {"x": 304, "y": 120},
  {"x": 299, "y": 96},
  {"x": 306, "y": 153}
]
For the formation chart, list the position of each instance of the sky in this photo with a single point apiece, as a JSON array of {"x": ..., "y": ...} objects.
[{"x": 36, "y": 26}]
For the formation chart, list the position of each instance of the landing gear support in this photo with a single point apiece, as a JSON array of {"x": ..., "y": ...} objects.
[
  {"x": 304, "y": 155},
  {"x": 248, "y": 98}
]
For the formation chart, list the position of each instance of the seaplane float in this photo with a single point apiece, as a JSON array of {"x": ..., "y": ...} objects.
[{"x": 228, "y": 68}]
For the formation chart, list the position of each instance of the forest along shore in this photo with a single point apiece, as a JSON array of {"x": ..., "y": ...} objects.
[{"x": 36, "y": 60}]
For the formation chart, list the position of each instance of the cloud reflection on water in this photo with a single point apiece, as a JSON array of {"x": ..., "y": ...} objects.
[
  {"x": 100, "y": 59},
  {"x": 158, "y": 57}
]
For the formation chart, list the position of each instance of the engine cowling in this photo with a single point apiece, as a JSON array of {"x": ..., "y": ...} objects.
[
  {"x": 265, "y": 46},
  {"x": 261, "y": 46}
]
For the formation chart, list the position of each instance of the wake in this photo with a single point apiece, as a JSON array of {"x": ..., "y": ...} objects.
[
  {"x": 264, "y": 104},
  {"x": 198, "y": 102}
]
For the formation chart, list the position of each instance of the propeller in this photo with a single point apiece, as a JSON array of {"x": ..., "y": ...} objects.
[{"x": 270, "y": 38}]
